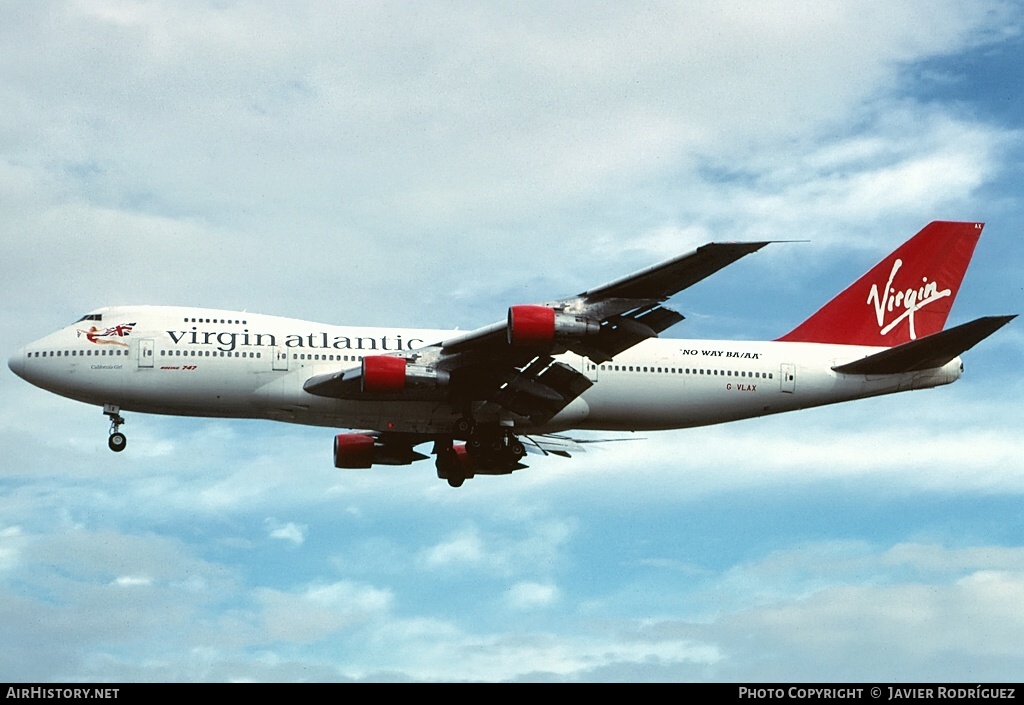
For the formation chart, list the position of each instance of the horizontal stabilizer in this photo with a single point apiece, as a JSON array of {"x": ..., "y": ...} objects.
[{"x": 926, "y": 353}]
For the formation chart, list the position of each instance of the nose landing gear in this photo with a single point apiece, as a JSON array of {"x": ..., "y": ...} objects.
[{"x": 117, "y": 440}]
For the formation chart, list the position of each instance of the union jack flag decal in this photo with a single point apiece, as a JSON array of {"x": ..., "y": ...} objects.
[
  {"x": 120, "y": 330},
  {"x": 95, "y": 335}
]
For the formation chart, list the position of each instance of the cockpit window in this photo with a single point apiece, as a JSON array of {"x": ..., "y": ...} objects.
[{"x": 91, "y": 317}]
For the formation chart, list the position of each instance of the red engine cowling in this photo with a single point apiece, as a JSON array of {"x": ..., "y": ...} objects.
[
  {"x": 353, "y": 450},
  {"x": 531, "y": 325},
  {"x": 383, "y": 374},
  {"x": 538, "y": 326}
]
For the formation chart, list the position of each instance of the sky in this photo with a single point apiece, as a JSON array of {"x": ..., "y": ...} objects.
[{"x": 427, "y": 164}]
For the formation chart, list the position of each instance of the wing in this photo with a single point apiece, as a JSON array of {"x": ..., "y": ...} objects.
[
  {"x": 509, "y": 367},
  {"x": 602, "y": 322}
]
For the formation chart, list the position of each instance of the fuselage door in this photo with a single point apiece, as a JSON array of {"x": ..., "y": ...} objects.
[
  {"x": 787, "y": 377},
  {"x": 145, "y": 352},
  {"x": 589, "y": 369},
  {"x": 281, "y": 359}
]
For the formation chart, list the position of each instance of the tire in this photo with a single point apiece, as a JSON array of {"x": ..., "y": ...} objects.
[{"x": 117, "y": 442}]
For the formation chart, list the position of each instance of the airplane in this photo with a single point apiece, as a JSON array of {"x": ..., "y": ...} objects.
[{"x": 486, "y": 397}]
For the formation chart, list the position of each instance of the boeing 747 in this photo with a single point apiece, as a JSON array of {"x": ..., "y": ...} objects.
[{"x": 485, "y": 398}]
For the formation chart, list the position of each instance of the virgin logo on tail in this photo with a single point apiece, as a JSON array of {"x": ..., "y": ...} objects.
[
  {"x": 940, "y": 252},
  {"x": 910, "y": 300}
]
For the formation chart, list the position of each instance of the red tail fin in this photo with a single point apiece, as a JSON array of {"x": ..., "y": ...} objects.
[{"x": 906, "y": 296}]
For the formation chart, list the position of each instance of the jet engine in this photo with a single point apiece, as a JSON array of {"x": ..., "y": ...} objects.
[
  {"x": 538, "y": 326},
  {"x": 353, "y": 450},
  {"x": 385, "y": 374},
  {"x": 361, "y": 450}
]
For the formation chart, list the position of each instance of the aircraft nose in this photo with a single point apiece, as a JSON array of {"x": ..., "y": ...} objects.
[{"x": 17, "y": 362}]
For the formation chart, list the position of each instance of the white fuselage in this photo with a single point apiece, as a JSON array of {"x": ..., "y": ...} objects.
[{"x": 200, "y": 362}]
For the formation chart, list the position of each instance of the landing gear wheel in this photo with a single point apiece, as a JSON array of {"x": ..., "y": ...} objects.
[
  {"x": 456, "y": 480},
  {"x": 117, "y": 442},
  {"x": 516, "y": 448}
]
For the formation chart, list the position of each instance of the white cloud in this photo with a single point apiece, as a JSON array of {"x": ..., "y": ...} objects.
[
  {"x": 464, "y": 548},
  {"x": 318, "y": 611},
  {"x": 295, "y": 533},
  {"x": 473, "y": 656},
  {"x": 945, "y": 440},
  {"x": 177, "y": 136},
  {"x": 11, "y": 545},
  {"x": 129, "y": 581},
  {"x": 538, "y": 548},
  {"x": 965, "y": 629},
  {"x": 531, "y": 595},
  {"x": 837, "y": 608}
]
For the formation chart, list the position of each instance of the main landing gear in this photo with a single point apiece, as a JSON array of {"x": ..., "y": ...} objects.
[
  {"x": 117, "y": 440},
  {"x": 487, "y": 451}
]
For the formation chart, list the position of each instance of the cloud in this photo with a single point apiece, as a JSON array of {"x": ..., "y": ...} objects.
[
  {"x": 129, "y": 581},
  {"x": 525, "y": 655},
  {"x": 963, "y": 627},
  {"x": 291, "y": 531},
  {"x": 530, "y": 595},
  {"x": 177, "y": 137},
  {"x": 318, "y": 611},
  {"x": 463, "y": 548},
  {"x": 913, "y": 162},
  {"x": 536, "y": 545},
  {"x": 80, "y": 592},
  {"x": 917, "y": 442},
  {"x": 11, "y": 546},
  {"x": 837, "y": 608}
]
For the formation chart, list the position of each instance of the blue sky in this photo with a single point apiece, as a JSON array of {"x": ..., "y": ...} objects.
[{"x": 427, "y": 165}]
